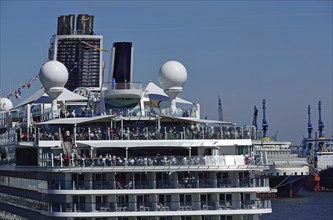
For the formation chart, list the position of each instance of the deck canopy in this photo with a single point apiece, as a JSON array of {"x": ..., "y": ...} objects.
[
  {"x": 40, "y": 97},
  {"x": 107, "y": 118},
  {"x": 198, "y": 120},
  {"x": 154, "y": 92},
  {"x": 79, "y": 120}
]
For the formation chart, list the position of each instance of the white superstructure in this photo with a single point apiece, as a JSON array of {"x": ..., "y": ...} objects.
[{"x": 134, "y": 158}]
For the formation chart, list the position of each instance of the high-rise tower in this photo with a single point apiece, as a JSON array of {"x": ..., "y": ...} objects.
[{"x": 78, "y": 51}]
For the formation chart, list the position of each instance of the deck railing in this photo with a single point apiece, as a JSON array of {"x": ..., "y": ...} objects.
[
  {"x": 158, "y": 184},
  {"x": 51, "y": 160},
  {"x": 189, "y": 206}
]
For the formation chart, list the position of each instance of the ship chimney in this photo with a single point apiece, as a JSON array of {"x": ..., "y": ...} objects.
[
  {"x": 121, "y": 68},
  {"x": 66, "y": 25},
  {"x": 85, "y": 24}
]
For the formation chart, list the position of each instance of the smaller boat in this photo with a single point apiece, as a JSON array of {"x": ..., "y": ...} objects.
[
  {"x": 319, "y": 154},
  {"x": 287, "y": 171},
  {"x": 321, "y": 165}
]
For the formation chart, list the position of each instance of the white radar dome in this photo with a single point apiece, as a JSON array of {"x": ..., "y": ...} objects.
[
  {"x": 5, "y": 104},
  {"x": 53, "y": 74},
  {"x": 172, "y": 74}
]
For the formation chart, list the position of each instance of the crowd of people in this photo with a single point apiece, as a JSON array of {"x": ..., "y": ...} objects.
[
  {"x": 140, "y": 133},
  {"x": 77, "y": 159}
]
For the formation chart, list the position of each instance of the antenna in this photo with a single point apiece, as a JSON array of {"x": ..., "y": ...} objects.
[{"x": 220, "y": 109}]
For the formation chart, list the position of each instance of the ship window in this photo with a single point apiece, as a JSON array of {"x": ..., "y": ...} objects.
[
  {"x": 284, "y": 174},
  {"x": 225, "y": 198},
  {"x": 225, "y": 217},
  {"x": 164, "y": 199},
  {"x": 247, "y": 217},
  {"x": 26, "y": 157},
  {"x": 205, "y": 199},
  {"x": 78, "y": 180},
  {"x": 295, "y": 173},
  {"x": 79, "y": 203},
  {"x": 185, "y": 200},
  {"x": 223, "y": 175},
  {"x": 101, "y": 201},
  {"x": 142, "y": 200}
]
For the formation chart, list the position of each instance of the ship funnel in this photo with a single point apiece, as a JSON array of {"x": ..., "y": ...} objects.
[
  {"x": 66, "y": 25},
  {"x": 85, "y": 24},
  {"x": 122, "y": 59}
]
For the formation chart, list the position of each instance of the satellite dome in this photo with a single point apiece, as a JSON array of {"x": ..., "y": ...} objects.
[
  {"x": 5, "y": 104},
  {"x": 172, "y": 74},
  {"x": 53, "y": 74}
]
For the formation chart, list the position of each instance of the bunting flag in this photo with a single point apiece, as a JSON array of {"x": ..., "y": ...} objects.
[
  {"x": 18, "y": 92},
  {"x": 17, "y": 96},
  {"x": 95, "y": 47}
]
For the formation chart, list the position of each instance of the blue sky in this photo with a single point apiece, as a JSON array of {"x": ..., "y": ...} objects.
[{"x": 243, "y": 51}]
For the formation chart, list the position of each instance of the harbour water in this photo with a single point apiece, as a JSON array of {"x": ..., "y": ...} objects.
[{"x": 307, "y": 206}]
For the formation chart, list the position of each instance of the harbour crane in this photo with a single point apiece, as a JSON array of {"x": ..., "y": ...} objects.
[
  {"x": 307, "y": 147},
  {"x": 220, "y": 109},
  {"x": 264, "y": 121},
  {"x": 255, "y": 117},
  {"x": 310, "y": 128},
  {"x": 320, "y": 122}
]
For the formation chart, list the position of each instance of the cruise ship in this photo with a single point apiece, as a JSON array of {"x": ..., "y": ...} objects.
[{"x": 123, "y": 151}]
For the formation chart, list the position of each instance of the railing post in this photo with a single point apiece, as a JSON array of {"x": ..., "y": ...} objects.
[
  {"x": 52, "y": 160},
  {"x": 61, "y": 160}
]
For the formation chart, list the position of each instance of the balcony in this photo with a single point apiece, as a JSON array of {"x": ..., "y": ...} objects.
[
  {"x": 182, "y": 184},
  {"x": 207, "y": 207}
]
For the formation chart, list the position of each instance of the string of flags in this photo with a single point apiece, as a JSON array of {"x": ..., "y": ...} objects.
[
  {"x": 95, "y": 47},
  {"x": 17, "y": 93}
]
